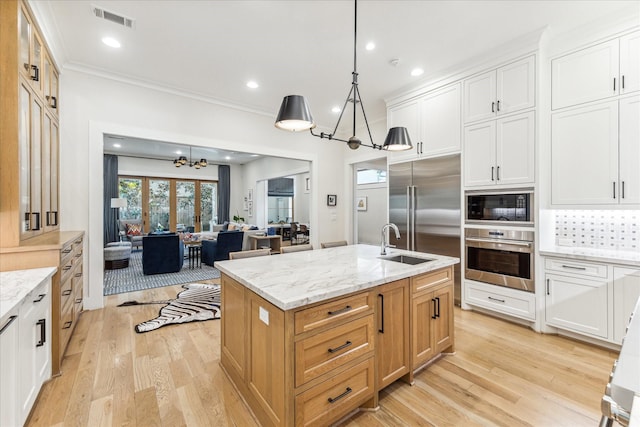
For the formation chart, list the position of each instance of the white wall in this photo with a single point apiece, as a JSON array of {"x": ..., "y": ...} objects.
[
  {"x": 370, "y": 222},
  {"x": 94, "y": 106}
]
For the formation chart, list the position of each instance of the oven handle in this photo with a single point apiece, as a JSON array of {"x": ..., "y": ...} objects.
[{"x": 506, "y": 242}]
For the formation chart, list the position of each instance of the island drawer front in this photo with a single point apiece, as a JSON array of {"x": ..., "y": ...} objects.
[
  {"x": 328, "y": 350},
  {"x": 333, "y": 312},
  {"x": 336, "y": 397},
  {"x": 581, "y": 268},
  {"x": 425, "y": 282}
]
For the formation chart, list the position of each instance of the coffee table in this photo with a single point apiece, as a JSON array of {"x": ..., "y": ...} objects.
[
  {"x": 194, "y": 250},
  {"x": 273, "y": 242}
]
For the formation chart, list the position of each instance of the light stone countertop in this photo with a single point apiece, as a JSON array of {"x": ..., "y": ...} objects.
[
  {"x": 297, "y": 279},
  {"x": 15, "y": 285},
  {"x": 631, "y": 258}
]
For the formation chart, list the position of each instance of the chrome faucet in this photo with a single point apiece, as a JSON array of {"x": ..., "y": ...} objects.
[{"x": 384, "y": 245}]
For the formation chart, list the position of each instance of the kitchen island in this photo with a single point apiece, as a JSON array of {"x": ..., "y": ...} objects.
[{"x": 309, "y": 337}]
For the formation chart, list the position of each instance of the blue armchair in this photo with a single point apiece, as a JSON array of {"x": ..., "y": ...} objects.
[
  {"x": 218, "y": 250},
  {"x": 162, "y": 253}
]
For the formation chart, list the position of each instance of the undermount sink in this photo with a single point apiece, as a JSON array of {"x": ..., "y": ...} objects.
[{"x": 406, "y": 259}]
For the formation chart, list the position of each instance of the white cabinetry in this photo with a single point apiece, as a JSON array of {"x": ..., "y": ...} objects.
[
  {"x": 590, "y": 298},
  {"x": 501, "y": 299},
  {"x": 505, "y": 90},
  {"x": 626, "y": 291},
  {"x": 500, "y": 152},
  {"x": 597, "y": 72},
  {"x": 433, "y": 121},
  {"x": 595, "y": 154},
  {"x": 25, "y": 354}
]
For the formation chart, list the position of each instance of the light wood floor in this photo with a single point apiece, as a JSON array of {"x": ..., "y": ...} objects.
[{"x": 501, "y": 374}]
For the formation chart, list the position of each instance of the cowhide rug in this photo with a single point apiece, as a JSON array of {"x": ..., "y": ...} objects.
[{"x": 196, "y": 303}]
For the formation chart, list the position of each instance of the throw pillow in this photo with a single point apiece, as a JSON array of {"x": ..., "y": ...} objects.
[
  {"x": 246, "y": 227},
  {"x": 134, "y": 229},
  {"x": 231, "y": 227}
]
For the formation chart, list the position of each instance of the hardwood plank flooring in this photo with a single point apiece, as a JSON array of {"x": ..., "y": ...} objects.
[{"x": 502, "y": 374}]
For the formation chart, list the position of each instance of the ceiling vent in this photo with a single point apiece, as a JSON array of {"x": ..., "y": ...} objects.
[{"x": 113, "y": 17}]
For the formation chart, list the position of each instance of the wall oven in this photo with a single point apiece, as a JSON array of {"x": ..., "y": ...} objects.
[
  {"x": 513, "y": 207},
  {"x": 501, "y": 257}
]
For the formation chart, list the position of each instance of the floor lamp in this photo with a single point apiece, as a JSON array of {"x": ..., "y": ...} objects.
[{"x": 117, "y": 203}]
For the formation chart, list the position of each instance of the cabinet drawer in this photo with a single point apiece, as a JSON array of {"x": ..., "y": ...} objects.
[
  {"x": 66, "y": 326},
  {"x": 425, "y": 282},
  {"x": 323, "y": 352},
  {"x": 504, "y": 300},
  {"x": 582, "y": 268},
  {"x": 336, "y": 397},
  {"x": 66, "y": 293},
  {"x": 332, "y": 313}
]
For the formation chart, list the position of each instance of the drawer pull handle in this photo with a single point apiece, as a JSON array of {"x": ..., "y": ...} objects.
[
  {"x": 345, "y": 345},
  {"x": 66, "y": 251},
  {"x": 433, "y": 316},
  {"x": 78, "y": 241},
  {"x": 6, "y": 325},
  {"x": 40, "y": 298},
  {"x": 342, "y": 310},
  {"x": 66, "y": 268},
  {"x": 66, "y": 293},
  {"x": 43, "y": 332},
  {"x": 335, "y": 399},
  {"x": 78, "y": 255},
  {"x": 573, "y": 268},
  {"x": 496, "y": 299},
  {"x": 78, "y": 300},
  {"x": 381, "y": 328},
  {"x": 78, "y": 275},
  {"x": 67, "y": 325},
  {"x": 438, "y": 306}
]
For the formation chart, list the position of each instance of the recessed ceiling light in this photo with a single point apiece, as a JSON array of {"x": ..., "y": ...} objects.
[
  {"x": 117, "y": 145},
  {"x": 110, "y": 41},
  {"x": 252, "y": 84},
  {"x": 370, "y": 46},
  {"x": 178, "y": 152},
  {"x": 417, "y": 72},
  {"x": 227, "y": 157},
  {"x": 336, "y": 109}
]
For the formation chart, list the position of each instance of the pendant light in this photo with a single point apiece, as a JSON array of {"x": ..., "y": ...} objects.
[
  {"x": 182, "y": 160},
  {"x": 295, "y": 114}
]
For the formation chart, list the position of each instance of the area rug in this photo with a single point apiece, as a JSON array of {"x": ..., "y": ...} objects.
[
  {"x": 131, "y": 278},
  {"x": 197, "y": 302}
]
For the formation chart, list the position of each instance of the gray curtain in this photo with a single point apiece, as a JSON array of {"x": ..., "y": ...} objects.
[
  {"x": 110, "y": 168},
  {"x": 224, "y": 193}
]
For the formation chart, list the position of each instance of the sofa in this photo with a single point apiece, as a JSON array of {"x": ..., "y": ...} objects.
[
  {"x": 248, "y": 230},
  {"x": 218, "y": 250},
  {"x": 132, "y": 231},
  {"x": 162, "y": 253}
]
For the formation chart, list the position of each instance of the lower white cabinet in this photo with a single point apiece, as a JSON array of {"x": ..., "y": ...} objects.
[
  {"x": 500, "y": 299},
  {"x": 590, "y": 298},
  {"x": 577, "y": 304},
  {"x": 25, "y": 355},
  {"x": 626, "y": 291}
]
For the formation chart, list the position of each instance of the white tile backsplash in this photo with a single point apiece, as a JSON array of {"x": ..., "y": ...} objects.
[{"x": 607, "y": 229}]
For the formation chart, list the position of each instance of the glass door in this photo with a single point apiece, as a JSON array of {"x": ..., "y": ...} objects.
[
  {"x": 159, "y": 205},
  {"x": 208, "y": 206},
  {"x": 186, "y": 206}
]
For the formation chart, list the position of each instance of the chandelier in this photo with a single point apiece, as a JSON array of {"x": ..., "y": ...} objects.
[
  {"x": 295, "y": 114},
  {"x": 182, "y": 160}
]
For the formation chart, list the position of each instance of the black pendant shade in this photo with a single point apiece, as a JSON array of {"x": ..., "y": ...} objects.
[
  {"x": 397, "y": 140},
  {"x": 294, "y": 114}
]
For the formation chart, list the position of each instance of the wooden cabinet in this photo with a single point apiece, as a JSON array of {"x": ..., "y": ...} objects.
[
  {"x": 505, "y": 90},
  {"x": 595, "y": 153},
  {"x": 30, "y": 131},
  {"x": 431, "y": 316},
  {"x": 315, "y": 364},
  {"x": 597, "y": 72},
  {"x": 433, "y": 121},
  {"x": 25, "y": 354},
  {"x": 392, "y": 346},
  {"x": 69, "y": 295},
  {"x": 626, "y": 291},
  {"x": 500, "y": 152}
]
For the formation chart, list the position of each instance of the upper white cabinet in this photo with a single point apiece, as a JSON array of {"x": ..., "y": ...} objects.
[
  {"x": 595, "y": 154},
  {"x": 500, "y": 152},
  {"x": 597, "y": 72},
  {"x": 433, "y": 121},
  {"x": 501, "y": 91}
]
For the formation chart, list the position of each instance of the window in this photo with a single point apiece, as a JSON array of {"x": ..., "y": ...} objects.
[
  {"x": 371, "y": 176},
  {"x": 170, "y": 204}
]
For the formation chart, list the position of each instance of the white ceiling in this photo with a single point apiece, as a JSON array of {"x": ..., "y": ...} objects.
[{"x": 212, "y": 48}]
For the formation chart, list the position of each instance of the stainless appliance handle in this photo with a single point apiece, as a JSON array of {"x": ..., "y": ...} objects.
[
  {"x": 408, "y": 217},
  {"x": 506, "y": 242},
  {"x": 414, "y": 203}
]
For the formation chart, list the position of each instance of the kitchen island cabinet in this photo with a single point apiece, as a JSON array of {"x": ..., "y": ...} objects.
[{"x": 309, "y": 347}]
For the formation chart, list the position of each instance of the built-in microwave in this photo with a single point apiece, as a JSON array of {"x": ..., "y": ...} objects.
[{"x": 514, "y": 207}]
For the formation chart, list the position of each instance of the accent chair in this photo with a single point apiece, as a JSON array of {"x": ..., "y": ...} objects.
[
  {"x": 162, "y": 253},
  {"x": 218, "y": 250}
]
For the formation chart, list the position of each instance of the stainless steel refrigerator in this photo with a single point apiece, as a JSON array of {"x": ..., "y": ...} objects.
[{"x": 424, "y": 202}]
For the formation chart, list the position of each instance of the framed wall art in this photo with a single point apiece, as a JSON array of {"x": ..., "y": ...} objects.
[{"x": 332, "y": 200}]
